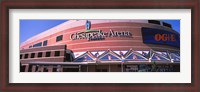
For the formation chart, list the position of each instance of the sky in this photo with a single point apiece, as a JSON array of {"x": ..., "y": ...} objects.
[{"x": 29, "y": 28}]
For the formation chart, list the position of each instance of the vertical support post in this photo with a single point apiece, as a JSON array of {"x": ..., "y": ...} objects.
[
  {"x": 50, "y": 68},
  {"x": 109, "y": 67},
  {"x": 79, "y": 67},
  {"x": 122, "y": 67},
  {"x": 26, "y": 68},
  {"x": 87, "y": 68},
  {"x": 33, "y": 68},
  {"x": 42, "y": 68}
]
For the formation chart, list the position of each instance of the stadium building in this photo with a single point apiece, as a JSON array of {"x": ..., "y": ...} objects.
[{"x": 103, "y": 46}]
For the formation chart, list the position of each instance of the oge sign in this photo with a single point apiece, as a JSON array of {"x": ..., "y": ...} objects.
[{"x": 163, "y": 37}]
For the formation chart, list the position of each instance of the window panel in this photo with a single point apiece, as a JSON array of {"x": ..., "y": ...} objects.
[
  {"x": 57, "y": 53},
  {"x": 45, "y": 43},
  {"x": 48, "y": 54},
  {"x": 32, "y": 55},
  {"x": 59, "y": 38},
  {"x": 37, "y": 44},
  {"x": 40, "y": 54}
]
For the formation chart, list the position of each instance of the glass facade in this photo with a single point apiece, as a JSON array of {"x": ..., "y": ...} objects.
[
  {"x": 129, "y": 56},
  {"x": 109, "y": 57}
]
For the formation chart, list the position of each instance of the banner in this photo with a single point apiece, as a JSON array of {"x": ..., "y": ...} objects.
[{"x": 162, "y": 37}]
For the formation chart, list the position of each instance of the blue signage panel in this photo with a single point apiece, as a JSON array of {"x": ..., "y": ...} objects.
[{"x": 163, "y": 37}]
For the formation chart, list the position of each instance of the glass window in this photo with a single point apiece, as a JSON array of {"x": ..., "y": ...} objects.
[
  {"x": 32, "y": 55},
  {"x": 37, "y": 44},
  {"x": 57, "y": 53},
  {"x": 45, "y": 43},
  {"x": 40, "y": 54},
  {"x": 20, "y": 56},
  {"x": 48, "y": 54},
  {"x": 26, "y": 56},
  {"x": 59, "y": 38}
]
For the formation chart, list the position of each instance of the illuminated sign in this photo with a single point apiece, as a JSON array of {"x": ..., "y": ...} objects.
[
  {"x": 99, "y": 35},
  {"x": 163, "y": 37}
]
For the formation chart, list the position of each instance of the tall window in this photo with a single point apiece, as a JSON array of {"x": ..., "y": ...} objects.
[
  {"x": 45, "y": 43},
  {"x": 32, "y": 55},
  {"x": 59, "y": 38},
  {"x": 21, "y": 56},
  {"x": 48, "y": 54},
  {"x": 26, "y": 56},
  {"x": 57, "y": 53},
  {"x": 40, "y": 54}
]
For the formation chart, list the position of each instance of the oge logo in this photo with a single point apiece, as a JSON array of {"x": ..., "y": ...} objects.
[{"x": 165, "y": 37}]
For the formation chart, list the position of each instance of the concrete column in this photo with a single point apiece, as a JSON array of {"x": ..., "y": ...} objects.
[
  {"x": 122, "y": 68},
  {"x": 50, "y": 68},
  {"x": 79, "y": 68},
  {"x": 33, "y": 68},
  {"x": 42, "y": 68},
  {"x": 109, "y": 67},
  {"x": 61, "y": 69},
  {"x": 87, "y": 68},
  {"x": 26, "y": 68}
]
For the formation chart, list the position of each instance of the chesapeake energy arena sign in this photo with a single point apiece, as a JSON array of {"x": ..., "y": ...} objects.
[{"x": 91, "y": 35}]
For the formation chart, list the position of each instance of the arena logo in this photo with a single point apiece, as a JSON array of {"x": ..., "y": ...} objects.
[
  {"x": 99, "y": 35},
  {"x": 165, "y": 37}
]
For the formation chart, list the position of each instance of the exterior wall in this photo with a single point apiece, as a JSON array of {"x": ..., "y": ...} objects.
[
  {"x": 113, "y": 43},
  {"x": 51, "y": 58}
]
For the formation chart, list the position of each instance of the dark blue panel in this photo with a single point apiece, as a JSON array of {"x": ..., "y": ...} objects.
[
  {"x": 84, "y": 58},
  {"x": 96, "y": 55},
  {"x": 175, "y": 58},
  {"x": 157, "y": 57},
  {"x": 37, "y": 44},
  {"x": 45, "y": 43},
  {"x": 109, "y": 57},
  {"x": 163, "y": 37},
  {"x": 134, "y": 57}
]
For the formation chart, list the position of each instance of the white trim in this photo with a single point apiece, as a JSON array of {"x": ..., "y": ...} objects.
[
  {"x": 106, "y": 53},
  {"x": 133, "y": 52},
  {"x": 124, "y": 46},
  {"x": 84, "y": 55}
]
